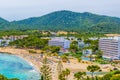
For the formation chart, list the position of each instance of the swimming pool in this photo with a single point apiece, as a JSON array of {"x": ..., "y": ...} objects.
[
  {"x": 85, "y": 58},
  {"x": 97, "y": 73},
  {"x": 13, "y": 66}
]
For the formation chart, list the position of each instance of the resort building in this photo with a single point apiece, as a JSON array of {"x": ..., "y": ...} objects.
[
  {"x": 87, "y": 51},
  {"x": 64, "y": 43},
  {"x": 110, "y": 47},
  {"x": 81, "y": 44},
  {"x": 13, "y": 38},
  {"x": 4, "y": 42}
]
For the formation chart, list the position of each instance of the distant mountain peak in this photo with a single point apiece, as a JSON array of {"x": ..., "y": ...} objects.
[
  {"x": 66, "y": 20},
  {"x": 3, "y": 21},
  {"x": 63, "y": 11}
]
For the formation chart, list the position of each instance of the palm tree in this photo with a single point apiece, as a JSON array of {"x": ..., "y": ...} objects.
[
  {"x": 61, "y": 77},
  {"x": 79, "y": 75},
  {"x": 92, "y": 69},
  {"x": 67, "y": 73},
  {"x": 64, "y": 74}
]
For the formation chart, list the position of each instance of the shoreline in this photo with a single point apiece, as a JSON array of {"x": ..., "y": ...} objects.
[
  {"x": 23, "y": 55},
  {"x": 29, "y": 62},
  {"x": 36, "y": 61}
]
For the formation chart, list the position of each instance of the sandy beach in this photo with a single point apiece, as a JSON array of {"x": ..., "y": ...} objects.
[{"x": 36, "y": 61}]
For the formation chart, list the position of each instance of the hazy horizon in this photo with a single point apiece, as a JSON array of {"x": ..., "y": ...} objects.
[{"x": 22, "y": 9}]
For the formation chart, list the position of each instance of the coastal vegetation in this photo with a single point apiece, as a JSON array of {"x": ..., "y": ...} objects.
[
  {"x": 113, "y": 75},
  {"x": 2, "y": 77},
  {"x": 64, "y": 74},
  {"x": 79, "y": 75},
  {"x": 30, "y": 42},
  {"x": 53, "y": 49},
  {"x": 92, "y": 69}
]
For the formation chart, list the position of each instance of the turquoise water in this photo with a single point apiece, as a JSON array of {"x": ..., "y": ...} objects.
[
  {"x": 85, "y": 58},
  {"x": 15, "y": 67}
]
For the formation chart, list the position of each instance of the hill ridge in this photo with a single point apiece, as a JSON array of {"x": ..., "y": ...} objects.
[{"x": 67, "y": 20}]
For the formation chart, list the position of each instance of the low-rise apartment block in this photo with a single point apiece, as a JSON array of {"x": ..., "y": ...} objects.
[
  {"x": 13, "y": 38},
  {"x": 64, "y": 43}
]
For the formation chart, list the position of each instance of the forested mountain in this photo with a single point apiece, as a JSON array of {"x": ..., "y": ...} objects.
[
  {"x": 2, "y": 20},
  {"x": 67, "y": 20},
  {"x": 3, "y": 23}
]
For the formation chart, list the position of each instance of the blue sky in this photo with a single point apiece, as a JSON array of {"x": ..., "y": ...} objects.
[{"x": 21, "y": 9}]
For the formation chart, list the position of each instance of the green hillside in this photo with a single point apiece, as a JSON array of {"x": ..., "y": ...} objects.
[
  {"x": 2, "y": 20},
  {"x": 68, "y": 20}
]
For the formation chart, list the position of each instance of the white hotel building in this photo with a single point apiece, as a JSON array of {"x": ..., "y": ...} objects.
[
  {"x": 59, "y": 42},
  {"x": 110, "y": 47}
]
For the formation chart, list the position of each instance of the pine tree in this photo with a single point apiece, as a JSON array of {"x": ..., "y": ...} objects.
[{"x": 46, "y": 70}]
